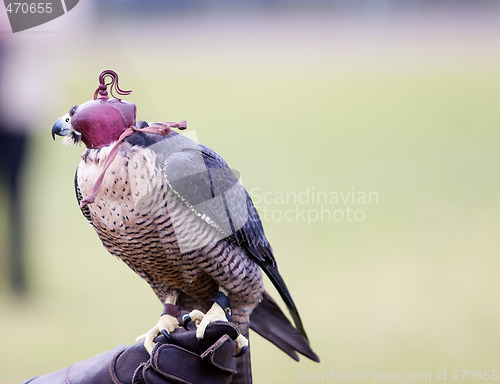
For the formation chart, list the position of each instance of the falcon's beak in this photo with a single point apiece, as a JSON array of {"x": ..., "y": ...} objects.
[{"x": 62, "y": 126}]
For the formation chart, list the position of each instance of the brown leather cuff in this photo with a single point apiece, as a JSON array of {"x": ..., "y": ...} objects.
[{"x": 172, "y": 310}]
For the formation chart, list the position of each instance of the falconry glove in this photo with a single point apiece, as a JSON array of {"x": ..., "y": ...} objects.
[{"x": 181, "y": 358}]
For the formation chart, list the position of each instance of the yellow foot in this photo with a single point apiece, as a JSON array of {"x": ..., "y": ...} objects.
[
  {"x": 166, "y": 323},
  {"x": 216, "y": 313},
  {"x": 241, "y": 345}
]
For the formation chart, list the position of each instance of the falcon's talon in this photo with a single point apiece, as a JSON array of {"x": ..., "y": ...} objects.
[
  {"x": 201, "y": 320},
  {"x": 166, "y": 323},
  {"x": 195, "y": 316},
  {"x": 216, "y": 313},
  {"x": 241, "y": 352},
  {"x": 186, "y": 319},
  {"x": 165, "y": 333},
  {"x": 241, "y": 345}
]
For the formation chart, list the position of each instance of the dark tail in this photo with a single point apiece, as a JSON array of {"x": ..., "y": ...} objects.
[
  {"x": 275, "y": 277},
  {"x": 268, "y": 320}
]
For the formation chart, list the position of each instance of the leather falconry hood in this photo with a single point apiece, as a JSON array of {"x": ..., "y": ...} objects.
[{"x": 101, "y": 121}]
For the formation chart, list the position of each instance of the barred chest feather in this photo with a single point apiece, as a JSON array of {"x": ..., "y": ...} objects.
[{"x": 138, "y": 218}]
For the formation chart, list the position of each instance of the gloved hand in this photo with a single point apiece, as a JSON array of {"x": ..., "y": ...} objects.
[{"x": 179, "y": 359}]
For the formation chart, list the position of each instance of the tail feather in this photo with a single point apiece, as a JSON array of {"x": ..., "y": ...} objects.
[
  {"x": 275, "y": 277},
  {"x": 268, "y": 320}
]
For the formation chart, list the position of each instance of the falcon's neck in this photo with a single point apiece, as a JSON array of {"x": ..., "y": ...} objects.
[
  {"x": 98, "y": 156},
  {"x": 92, "y": 165}
]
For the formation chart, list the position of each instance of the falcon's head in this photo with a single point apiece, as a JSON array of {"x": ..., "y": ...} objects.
[
  {"x": 96, "y": 123},
  {"x": 99, "y": 122}
]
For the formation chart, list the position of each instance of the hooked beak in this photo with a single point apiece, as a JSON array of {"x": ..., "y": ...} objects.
[{"x": 62, "y": 126}]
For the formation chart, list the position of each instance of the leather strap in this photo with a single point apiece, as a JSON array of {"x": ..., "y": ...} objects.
[
  {"x": 224, "y": 302},
  {"x": 171, "y": 309}
]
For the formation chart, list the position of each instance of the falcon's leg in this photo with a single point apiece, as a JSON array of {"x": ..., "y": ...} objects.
[
  {"x": 220, "y": 311},
  {"x": 167, "y": 323}
]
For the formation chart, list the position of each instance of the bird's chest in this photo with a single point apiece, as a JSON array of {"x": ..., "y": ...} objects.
[{"x": 131, "y": 211}]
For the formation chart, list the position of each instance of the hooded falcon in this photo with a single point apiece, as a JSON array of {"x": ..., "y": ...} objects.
[{"x": 177, "y": 215}]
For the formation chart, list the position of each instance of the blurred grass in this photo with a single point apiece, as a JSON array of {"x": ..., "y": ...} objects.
[{"x": 413, "y": 288}]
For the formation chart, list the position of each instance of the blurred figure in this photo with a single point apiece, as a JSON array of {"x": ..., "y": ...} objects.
[
  {"x": 27, "y": 69},
  {"x": 12, "y": 152},
  {"x": 13, "y": 140}
]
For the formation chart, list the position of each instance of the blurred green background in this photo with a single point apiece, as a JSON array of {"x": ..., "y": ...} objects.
[{"x": 403, "y": 103}]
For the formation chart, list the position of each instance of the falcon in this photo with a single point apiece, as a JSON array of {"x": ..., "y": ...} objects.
[{"x": 177, "y": 215}]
